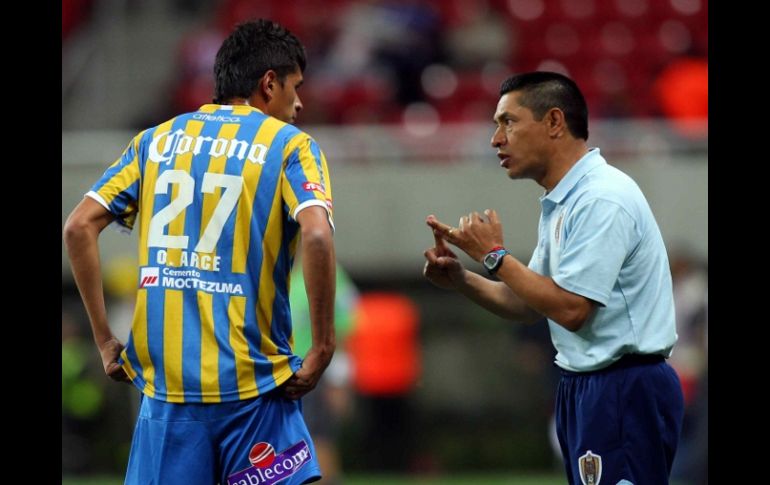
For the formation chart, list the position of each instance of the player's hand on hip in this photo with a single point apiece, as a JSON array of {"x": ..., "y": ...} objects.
[
  {"x": 110, "y": 352},
  {"x": 307, "y": 377},
  {"x": 442, "y": 267}
]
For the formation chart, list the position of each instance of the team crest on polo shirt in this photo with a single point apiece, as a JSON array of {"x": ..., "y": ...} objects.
[
  {"x": 590, "y": 467},
  {"x": 557, "y": 229}
]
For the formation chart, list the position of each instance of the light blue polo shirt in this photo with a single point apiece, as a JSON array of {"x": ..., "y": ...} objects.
[{"x": 598, "y": 238}]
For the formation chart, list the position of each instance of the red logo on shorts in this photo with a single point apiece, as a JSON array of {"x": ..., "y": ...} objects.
[{"x": 262, "y": 455}]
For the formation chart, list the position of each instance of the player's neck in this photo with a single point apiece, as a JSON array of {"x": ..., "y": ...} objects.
[{"x": 236, "y": 102}]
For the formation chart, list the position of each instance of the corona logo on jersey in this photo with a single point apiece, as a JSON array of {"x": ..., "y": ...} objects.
[
  {"x": 268, "y": 467},
  {"x": 590, "y": 466},
  {"x": 166, "y": 145},
  {"x": 148, "y": 277}
]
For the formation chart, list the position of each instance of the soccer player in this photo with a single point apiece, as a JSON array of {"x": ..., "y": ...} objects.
[
  {"x": 599, "y": 274},
  {"x": 220, "y": 198}
]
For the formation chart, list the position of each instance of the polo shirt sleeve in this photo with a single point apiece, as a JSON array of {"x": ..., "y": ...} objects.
[{"x": 599, "y": 236}]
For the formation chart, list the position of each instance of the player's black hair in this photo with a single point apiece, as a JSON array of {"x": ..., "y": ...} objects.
[
  {"x": 253, "y": 48},
  {"x": 541, "y": 91}
]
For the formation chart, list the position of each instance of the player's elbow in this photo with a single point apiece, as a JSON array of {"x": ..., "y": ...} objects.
[
  {"x": 317, "y": 236},
  {"x": 74, "y": 229}
]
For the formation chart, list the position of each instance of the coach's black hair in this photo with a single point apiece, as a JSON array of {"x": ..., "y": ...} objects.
[{"x": 541, "y": 91}]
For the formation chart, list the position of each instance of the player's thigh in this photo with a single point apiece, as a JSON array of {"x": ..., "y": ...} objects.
[{"x": 165, "y": 450}]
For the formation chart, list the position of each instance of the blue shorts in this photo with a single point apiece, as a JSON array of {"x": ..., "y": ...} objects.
[
  {"x": 257, "y": 441},
  {"x": 621, "y": 424}
]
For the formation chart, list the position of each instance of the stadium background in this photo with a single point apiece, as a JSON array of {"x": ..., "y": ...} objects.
[{"x": 400, "y": 94}]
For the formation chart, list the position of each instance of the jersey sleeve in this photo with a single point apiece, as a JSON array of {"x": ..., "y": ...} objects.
[
  {"x": 599, "y": 236},
  {"x": 118, "y": 189},
  {"x": 305, "y": 179}
]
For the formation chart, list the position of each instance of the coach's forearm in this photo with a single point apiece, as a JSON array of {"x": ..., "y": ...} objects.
[
  {"x": 496, "y": 297},
  {"x": 544, "y": 296}
]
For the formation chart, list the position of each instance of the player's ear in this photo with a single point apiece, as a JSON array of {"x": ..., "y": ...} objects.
[{"x": 267, "y": 84}]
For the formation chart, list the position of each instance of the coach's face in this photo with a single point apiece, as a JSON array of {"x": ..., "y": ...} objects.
[
  {"x": 520, "y": 139},
  {"x": 285, "y": 103}
]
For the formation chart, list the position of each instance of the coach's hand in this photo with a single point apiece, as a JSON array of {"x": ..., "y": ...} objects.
[
  {"x": 306, "y": 378},
  {"x": 474, "y": 234},
  {"x": 110, "y": 351},
  {"x": 442, "y": 267}
]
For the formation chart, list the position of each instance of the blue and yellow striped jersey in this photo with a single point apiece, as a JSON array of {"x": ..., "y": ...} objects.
[{"x": 215, "y": 195}]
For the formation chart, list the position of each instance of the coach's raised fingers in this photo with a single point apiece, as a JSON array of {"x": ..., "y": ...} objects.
[
  {"x": 443, "y": 229},
  {"x": 492, "y": 216}
]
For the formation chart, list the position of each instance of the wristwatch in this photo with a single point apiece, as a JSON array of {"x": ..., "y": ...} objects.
[{"x": 494, "y": 259}]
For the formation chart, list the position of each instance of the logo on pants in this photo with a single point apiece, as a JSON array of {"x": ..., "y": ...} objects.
[
  {"x": 590, "y": 467},
  {"x": 268, "y": 467}
]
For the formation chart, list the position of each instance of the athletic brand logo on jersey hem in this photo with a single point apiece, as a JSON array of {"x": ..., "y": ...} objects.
[
  {"x": 590, "y": 468},
  {"x": 148, "y": 277},
  {"x": 268, "y": 467}
]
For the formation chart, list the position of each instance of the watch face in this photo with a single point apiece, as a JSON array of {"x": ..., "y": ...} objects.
[
  {"x": 493, "y": 260},
  {"x": 490, "y": 260}
]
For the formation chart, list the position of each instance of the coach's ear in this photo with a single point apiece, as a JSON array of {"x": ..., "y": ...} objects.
[{"x": 555, "y": 122}]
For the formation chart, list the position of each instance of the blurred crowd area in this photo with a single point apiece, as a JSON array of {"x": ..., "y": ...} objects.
[
  {"x": 423, "y": 382},
  {"x": 396, "y": 61}
]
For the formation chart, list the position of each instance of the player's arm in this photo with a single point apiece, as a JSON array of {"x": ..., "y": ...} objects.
[
  {"x": 81, "y": 234},
  {"x": 318, "y": 266}
]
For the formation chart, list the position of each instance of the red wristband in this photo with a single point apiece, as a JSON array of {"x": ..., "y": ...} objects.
[{"x": 496, "y": 248}]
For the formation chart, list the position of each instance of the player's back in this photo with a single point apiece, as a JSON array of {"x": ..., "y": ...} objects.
[{"x": 214, "y": 194}]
